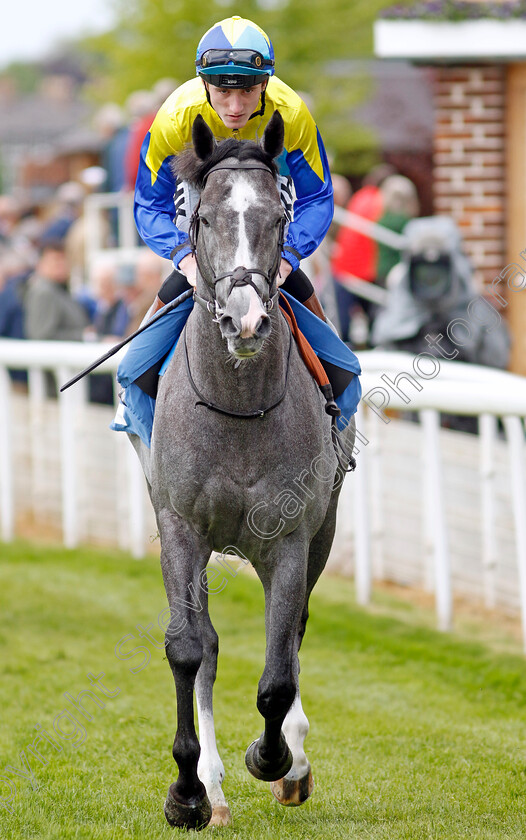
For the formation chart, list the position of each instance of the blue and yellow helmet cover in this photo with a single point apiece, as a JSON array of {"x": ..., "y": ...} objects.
[{"x": 235, "y": 33}]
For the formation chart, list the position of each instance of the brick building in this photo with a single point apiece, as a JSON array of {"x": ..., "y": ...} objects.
[
  {"x": 479, "y": 142},
  {"x": 46, "y": 137}
]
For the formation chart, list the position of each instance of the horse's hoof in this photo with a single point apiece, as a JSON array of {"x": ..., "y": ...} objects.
[
  {"x": 221, "y": 816},
  {"x": 293, "y": 791},
  {"x": 265, "y": 770},
  {"x": 179, "y": 815}
]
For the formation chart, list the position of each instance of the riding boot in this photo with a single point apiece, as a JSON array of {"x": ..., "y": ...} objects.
[
  {"x": 300, "y": 287},
  {"x": 174, "y": 285},
  {"x": 156, "y": 305},
  {"x": 313, "y": 305}
]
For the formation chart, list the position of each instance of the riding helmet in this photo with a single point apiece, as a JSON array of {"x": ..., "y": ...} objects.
[{"x": 235, "y": 53}]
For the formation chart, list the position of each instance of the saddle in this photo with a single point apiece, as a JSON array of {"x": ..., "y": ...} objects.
[{"x": 311, "y": 360}]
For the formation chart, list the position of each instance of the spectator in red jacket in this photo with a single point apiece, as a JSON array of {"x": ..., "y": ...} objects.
[
  {"x": 143, "y": 106},
  {"x": 357, "y": 254}
]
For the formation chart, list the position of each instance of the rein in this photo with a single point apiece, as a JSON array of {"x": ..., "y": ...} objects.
[{"x": 243, "y": 415}]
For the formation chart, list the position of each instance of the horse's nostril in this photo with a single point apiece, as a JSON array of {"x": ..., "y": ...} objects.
[
  {"x": 228, "y": 326},
  {"x": 264, "y": 327}
]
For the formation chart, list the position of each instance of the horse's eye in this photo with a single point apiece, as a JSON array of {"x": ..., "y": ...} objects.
[{"x": 204, "y": 221}]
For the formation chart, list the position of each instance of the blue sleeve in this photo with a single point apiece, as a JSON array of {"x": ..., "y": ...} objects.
[
  {"x": 154, "y": 209},
  {"x": 313, "y": 208}
]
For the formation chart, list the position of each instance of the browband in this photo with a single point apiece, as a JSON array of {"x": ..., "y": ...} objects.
[{"x": 240, "y": 164}]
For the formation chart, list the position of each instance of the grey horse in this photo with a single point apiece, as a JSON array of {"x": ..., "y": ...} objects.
[{"x": 241, "y": 457}]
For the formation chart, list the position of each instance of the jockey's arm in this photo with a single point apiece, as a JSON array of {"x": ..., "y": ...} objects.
[
  {"x": 314, "y": 205},
  {"x": 154, "y": 191}
]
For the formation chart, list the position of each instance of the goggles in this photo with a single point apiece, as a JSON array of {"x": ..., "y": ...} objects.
[
  {"x": 239, "y": 58},
  {"x": 232, "y": 80}
]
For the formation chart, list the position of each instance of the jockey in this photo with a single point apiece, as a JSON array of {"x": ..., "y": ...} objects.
[{"x": 236, "y": 92}]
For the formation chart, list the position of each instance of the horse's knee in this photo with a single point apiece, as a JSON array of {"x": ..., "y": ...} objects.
[
  {"x": 184, "y": 654},
  {"x": 275, "y": 697},
  {"x": 211, "y": 643}
]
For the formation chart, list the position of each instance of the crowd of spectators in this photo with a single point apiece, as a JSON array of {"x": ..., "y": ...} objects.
[
  {"x": 51, "y": 289},
  {"x": 390, "y": 200},
  {"x": 38, "y": 300}
]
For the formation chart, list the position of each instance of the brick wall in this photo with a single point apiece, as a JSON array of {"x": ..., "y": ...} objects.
[{"x": 469, "y": 160}]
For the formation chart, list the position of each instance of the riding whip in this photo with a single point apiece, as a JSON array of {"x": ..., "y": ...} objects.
[{"x": 115, "y": 349}]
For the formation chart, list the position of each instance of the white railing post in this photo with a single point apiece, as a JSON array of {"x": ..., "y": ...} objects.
[
  {"x": 68, "y": 401},
  {"x": 515, "y": 435},
  {"x": 436, "y": 517},
  {"x": 127, "y": 229},
  {"x": 427, "y": 525},
  {"x": 7, "y": 502},
  {"x": 137, "y": 521},
  {"x": 376, "y": 490},
  {"x": 37, "y": 394},
  {"x": 93, "y": 228},
  {"x": 362, "y": 529},
  {"x": 487, "y": 438}
]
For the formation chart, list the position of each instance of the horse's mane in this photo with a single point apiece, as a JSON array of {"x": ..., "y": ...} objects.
[{"x": 189, "y": 167}]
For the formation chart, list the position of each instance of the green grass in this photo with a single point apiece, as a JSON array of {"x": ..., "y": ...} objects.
[{"x": 414, "y": 734}]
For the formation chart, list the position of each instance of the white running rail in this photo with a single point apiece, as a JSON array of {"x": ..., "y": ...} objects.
[{"x": 392, "y": 382}]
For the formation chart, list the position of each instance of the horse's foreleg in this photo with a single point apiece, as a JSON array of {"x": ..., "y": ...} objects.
[
  {"x": 210, "y": 768},
  {"x": 298, "y": 784},
  {"x": 182, "y": 560},
  {"x": 269, "y": 758},
  {"x": 296, "y": 787}
]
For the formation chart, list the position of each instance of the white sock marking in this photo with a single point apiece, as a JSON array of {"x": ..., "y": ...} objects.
[
  {"x": 210, "y": 768},
  {"x": 295, "y": 729}
]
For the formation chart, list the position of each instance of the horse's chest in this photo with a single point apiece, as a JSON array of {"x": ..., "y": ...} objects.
[{"x": 240, "y": 494}]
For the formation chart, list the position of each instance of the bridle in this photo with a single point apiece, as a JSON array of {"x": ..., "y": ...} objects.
[{"x": 240, "y": 276}]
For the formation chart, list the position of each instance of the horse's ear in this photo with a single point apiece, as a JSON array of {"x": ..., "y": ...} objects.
[
  {"x": 202, "y": 138},
  {"x": 274, "y": 135}
]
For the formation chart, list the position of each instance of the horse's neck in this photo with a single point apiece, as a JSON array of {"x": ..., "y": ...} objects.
[{"x": 247, "y": 385}]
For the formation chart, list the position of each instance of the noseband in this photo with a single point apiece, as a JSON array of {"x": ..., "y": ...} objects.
[{"x": 240, "y": 276}]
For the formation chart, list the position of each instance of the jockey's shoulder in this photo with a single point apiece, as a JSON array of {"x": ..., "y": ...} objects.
[
  {"x": 283, "y": 96},
  {"x": 188, "y": 95}
]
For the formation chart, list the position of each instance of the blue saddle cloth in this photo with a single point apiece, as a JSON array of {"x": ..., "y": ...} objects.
[{"x": 159, "y": 341}]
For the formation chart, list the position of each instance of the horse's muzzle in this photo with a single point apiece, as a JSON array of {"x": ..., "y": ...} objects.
[{"x": 244, "y": 339}]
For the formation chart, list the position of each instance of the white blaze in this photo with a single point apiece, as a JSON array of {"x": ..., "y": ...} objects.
[
  {"x": 242, "y": 197},
  {"x": 250, "y": 321}
]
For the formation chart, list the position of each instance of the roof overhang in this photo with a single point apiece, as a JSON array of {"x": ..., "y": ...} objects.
[{"x": 447, "y": 42}]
